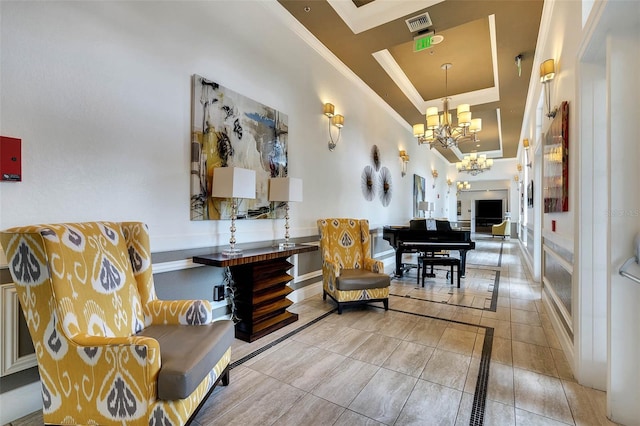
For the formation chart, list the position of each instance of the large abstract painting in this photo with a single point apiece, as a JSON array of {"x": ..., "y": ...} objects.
[
  {"x": 556, "y": 163},
  {"x": 231, "y": 130},
  {"x": 418, "y": 193}
]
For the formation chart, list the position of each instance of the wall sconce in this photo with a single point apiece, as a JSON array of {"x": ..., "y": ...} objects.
[
  {"x": 516, "y": 178},
  {"x": 525, "y": 145},
  {"x": 335, "y": 119},
  {"x": 519, "y": 167},
  {"x": 547, "y": 73},
  {"x": 434, "y": 173},
  {"x": 449, "y": 183},
  {"x": 404, "y": 157}
]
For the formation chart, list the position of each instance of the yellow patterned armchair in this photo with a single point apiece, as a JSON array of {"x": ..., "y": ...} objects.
[
  {"x": 501, "y": 230},
  {"x": 349, "y": 274},
  {"x": 109, "y": 352}
]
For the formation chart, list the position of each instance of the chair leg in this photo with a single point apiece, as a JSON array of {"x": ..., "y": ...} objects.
[
  {"x": 339, "y": 309},
  {"x": 385, "y": 302},
  {"x": 225, "y": 378},
  {"x": 324, "y": 295}
]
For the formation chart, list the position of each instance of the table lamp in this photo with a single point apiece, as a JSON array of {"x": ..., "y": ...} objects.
[
  {"x": 431, "y": 208},
  {"x": 423, "y": 206},
  {"x": 234, "y": 183},
  {"x": 285, "y": 189}
]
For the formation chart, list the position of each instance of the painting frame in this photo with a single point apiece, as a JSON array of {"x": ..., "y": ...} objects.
[
  {"x": 229, "y": 129},
  {"x": 555, "y": 181},
  {"x": 419, "y": 183}
]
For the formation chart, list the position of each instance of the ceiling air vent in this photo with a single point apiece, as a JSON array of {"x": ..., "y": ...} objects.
[{"x": 420, "y": 22}]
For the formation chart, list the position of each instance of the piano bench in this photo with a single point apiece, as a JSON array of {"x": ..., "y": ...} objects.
[{"x": 423, "y": 261}]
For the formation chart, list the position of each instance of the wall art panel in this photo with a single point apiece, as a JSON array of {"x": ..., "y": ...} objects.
[{"x": 232, "y": 130}]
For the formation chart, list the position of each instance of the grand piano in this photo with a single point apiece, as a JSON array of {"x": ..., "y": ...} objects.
[{"x": 416, "y": 238}]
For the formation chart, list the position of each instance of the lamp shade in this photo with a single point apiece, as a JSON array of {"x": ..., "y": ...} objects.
[
  {"x": 547, "y": 70},
  {"x": 476, "y": 125},
  {"x": 328, "y": 109},
  {"x": 464, "y": 119},
  {"x": 285, "y": 189},
  {"x": 418, "y": 130},
  {"x": 233, "y": 182},
  {"x": 338, "y": 120},
  {"x": 423, "y": 205}
]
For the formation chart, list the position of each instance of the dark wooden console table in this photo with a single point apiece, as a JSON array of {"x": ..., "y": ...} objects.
[{"x": 260, "y": 277}]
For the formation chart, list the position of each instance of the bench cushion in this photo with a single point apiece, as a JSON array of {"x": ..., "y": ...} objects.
[
  {"x": 435, "y": 260},
  {"x": 188, "y": 354},
  {"x": 361, "y": 279}
]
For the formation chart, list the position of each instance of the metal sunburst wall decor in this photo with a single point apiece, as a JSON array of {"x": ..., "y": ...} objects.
[
  {"x": 367, "y": 183},
  {"x": 385, "y": 186}
]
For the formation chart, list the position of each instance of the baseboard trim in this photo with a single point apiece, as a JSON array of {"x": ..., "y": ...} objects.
[{"x": 20, "y": 402}]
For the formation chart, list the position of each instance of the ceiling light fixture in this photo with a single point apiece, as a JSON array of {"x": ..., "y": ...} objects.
[
  {"x": 462, "y": 186},
  {"x": 474, "y": 164},
  {"x": 440, "y": 131}
]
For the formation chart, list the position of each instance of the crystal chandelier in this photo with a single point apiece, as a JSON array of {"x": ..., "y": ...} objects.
[
  {"x": 474, "y": 164},
  {"x": 440, "y": 130}
]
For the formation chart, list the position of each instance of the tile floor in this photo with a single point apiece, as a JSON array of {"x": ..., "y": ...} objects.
[{"x": 439, "y": 356}]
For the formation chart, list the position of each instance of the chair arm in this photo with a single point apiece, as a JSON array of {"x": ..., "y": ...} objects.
[
  {"x": 332, "y": 269},
  {"x": 374, "y": 265},
  {"x": 135, "y": 359},
  {"x": 178, "y": 312}
]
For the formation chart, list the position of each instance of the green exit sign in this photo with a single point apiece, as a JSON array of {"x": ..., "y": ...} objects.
[{"x": 421, "y": 43}]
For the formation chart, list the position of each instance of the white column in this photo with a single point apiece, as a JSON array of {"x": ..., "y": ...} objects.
[
  {"x": 623, "y": 63},
  {"x": 591, "y": 229}
]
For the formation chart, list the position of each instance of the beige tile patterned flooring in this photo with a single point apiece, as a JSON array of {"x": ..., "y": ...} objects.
[{"x": 417, "y": 363}]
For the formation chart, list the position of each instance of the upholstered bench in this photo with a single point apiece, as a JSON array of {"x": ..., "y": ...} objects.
[{"x": 424, "y": 261}]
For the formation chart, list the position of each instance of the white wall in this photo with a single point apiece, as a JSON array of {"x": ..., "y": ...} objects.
[
  {"x": 99, "y": 93},
  {"x": 565, "y": 33}
]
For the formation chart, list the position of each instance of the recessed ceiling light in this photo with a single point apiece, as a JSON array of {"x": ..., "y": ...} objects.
[
  {"x": 437, "y": 39},
  {"x": 307, "y": 9}
]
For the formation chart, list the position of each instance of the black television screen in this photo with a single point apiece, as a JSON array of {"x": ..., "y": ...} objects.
[{"x": 489, "y": 209}]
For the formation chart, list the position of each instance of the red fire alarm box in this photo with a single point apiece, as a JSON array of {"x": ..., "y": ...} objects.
[{"x": 10, "y": 159}]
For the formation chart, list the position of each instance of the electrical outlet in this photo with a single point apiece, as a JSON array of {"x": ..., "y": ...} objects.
[{"x": 218, "y": 293}]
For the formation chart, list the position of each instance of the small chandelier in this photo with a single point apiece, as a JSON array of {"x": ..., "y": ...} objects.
[
  {"x": 474, "y": 164},
  {"x": 440, "y": 130},
  {"x": 462, "y": 186}
]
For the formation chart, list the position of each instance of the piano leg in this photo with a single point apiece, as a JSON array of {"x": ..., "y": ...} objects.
[
  {"x": 463, "y": 262},
  {"x": 398, "y": 263}
]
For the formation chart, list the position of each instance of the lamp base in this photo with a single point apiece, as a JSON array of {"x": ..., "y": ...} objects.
[
  {"x": 286, "y": 245},
  {"x": 232, "y": 252}
]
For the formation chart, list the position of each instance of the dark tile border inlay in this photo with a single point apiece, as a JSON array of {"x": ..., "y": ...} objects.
[
  {"x": 494, "y": 296},
  {"x": 279, "y": 340},
  {"x": 494, "y": 293},
  {"x": 482, "y": 384},
  {"x": 480, "y": 394}
]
